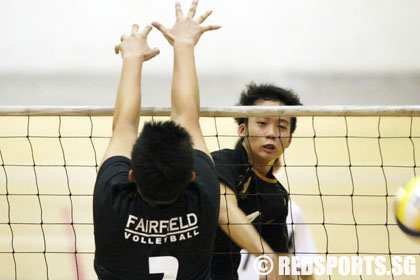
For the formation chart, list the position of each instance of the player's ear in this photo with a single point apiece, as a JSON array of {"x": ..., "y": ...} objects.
[
  {"x": 242, "y": 130},
  {"x": 193, "y": 176},
  {"x": 131, "y": 176}
]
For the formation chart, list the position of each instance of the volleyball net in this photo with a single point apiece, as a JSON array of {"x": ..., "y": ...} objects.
[{"x": 343, "y": 168}]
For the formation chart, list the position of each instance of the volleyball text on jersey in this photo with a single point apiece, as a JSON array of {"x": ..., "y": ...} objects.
[{"x": 161, "y": 231}]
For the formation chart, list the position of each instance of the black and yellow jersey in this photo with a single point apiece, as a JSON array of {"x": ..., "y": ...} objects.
[{"x": 259, "y": 196}]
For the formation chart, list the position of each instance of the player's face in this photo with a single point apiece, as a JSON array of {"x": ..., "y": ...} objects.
[{"x": 266, "y": 137}]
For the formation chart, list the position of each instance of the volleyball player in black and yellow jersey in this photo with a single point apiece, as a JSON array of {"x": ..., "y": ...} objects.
[{"x": 249, "y": 190}]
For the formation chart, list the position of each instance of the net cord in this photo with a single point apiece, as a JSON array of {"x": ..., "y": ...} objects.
[
  {"x": 231, "y": 111},
  {"x": 220, "y": 111}
]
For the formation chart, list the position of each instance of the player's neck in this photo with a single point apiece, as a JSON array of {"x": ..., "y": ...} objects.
[{"x": 262, "y": 167}]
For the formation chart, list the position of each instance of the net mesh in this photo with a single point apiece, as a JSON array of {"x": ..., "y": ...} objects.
[{"x": 342, "y": 171}]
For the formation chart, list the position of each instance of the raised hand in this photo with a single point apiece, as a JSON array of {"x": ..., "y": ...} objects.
[
  {"x": 135, "y": 45},
  {"x": 186, "y": 29}
]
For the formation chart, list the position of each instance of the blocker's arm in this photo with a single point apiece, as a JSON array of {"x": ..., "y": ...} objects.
[
  {"x": 134, "y": 51},
  {"x": 183, "y": 36}
]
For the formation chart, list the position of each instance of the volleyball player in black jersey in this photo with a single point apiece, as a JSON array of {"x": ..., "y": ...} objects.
[
  {"x": 156, "y": 204},
  {"x": 249, "y": 188}
]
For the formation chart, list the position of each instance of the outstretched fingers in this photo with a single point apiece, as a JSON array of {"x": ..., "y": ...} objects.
[
  {"x": 159, "y": 27},
  {"x": 117, "y": 48},
  {"x": 135, "y": 28},
  {"x": 202, "y": 18},
  {"x": 193, "y": 8},
  {"x": 178, "y": 10},
  {"x": 153, "y": 52},
  {"x": 165, "y": 32},
  {"x": 136, "y": 45},
  {"x": 211, "y": 27},
  {"x": 186, "y": 29},
  {"x": 146, "y": 30}
]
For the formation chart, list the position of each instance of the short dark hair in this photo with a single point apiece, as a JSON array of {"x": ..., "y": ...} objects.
[
  {"x": 254, "y": 92},
  {"x": 162, "y": 161}
]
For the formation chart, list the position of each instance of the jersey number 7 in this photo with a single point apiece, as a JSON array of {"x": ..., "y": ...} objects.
[{"x": 167, "y": 265}]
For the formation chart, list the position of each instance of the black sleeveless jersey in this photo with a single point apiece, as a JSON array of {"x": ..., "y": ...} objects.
[
  {"x": 257, "y": 194},
  {"x": 135, "y": 240}
]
